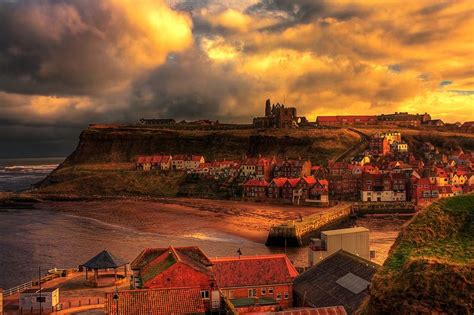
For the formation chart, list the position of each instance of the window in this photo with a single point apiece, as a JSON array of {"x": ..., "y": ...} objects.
[
  {"x": 286, "y": 295},
  {"x": 264, "y": 291},
  {"x": 278, "y": 298},
  {"x": 231, "y": 294},
  {"x": 205, "y": 294},
  {"x": 270, "y": 290},
  {"x": 252, "y": 292}
]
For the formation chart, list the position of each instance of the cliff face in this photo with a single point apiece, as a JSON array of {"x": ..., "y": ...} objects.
[
  {"x": 430, "y": 268},
  {"x": 100, "y": 145},
  {"x": 103, "y": 162}
]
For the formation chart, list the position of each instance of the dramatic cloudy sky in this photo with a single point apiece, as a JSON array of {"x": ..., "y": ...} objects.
[{"x": 67, "y": 63}]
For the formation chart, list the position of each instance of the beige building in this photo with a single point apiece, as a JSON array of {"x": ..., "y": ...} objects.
[
  {"x": 30, "y": 299},
  {"x": 353, "y": 240},
  {"x": 194, "y": 162}
]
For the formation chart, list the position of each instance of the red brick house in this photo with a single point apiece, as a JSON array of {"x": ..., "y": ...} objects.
[
  {"x": 263, "y": 168},
  {"x": 305, "y": 184},
  {"x": 338, "y": 168},
  {"x": 345, "y": 187},
  {"x": 320, "y": 191},
  {"x": 288, "y": 187},
  {"x": 256, "y": 188},
  {"x": 379, "y": 145},
  {"x": 268, "y": 277},
  {"x": 275, "y": 187},
  {"x": 424, "y": 192},
  {"x": 176, "y": 267},
  {"x": 292, "y": 168}
]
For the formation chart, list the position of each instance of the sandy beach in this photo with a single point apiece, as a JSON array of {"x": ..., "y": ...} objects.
[
  {"x": 196, "y": 217},
  {"x": 185, "y": 216}
]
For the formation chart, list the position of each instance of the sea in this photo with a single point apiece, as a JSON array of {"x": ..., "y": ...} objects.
[
  {"x": 32, "y": 238},
  {"x": 20, "y": 174}
]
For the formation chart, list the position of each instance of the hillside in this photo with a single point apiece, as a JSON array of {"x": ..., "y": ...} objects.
[
  {"x": 444, "y": 140},
  {"x": 123, "y": 144},
  {"x": 103, "y": 162},
  {"x": 430, "y": 268}
]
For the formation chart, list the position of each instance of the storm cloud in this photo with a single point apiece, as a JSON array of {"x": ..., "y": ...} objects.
[{"x": 65, "y": 64}]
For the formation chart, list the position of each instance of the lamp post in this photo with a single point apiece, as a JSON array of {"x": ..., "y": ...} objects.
[{"x": 116, "y": 299}]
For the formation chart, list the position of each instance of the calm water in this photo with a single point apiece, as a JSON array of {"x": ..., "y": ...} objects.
[
  {"x": 32, "y": 238},
  {"x": 20, "y": 174}
]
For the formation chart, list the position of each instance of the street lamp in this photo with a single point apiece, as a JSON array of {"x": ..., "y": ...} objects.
[{"x": 116, "y": 299}]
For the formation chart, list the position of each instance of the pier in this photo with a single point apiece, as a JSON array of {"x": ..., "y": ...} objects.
[{"x": 297, "y": 233}]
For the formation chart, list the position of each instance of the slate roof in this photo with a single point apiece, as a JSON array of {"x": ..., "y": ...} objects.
[
  {"x": 253, "y": 270},
  {"x": 157, "y": 302},
  {"x": 319, "y": 283},
  {"x": 104, "y": 260}
]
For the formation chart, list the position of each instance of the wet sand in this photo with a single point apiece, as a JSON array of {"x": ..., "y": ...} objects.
[
  {"x": 195, "y": 217},
  {"x": 251, "y": 221}
]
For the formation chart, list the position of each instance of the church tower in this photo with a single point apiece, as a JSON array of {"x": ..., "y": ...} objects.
[{"x": 268, "y": 108}]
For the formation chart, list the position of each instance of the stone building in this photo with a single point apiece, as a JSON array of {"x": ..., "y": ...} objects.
[{"x": 278, "y": 116}]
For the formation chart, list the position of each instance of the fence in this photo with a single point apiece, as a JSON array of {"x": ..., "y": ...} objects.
[
  {"x": 66, "y": 305},
  {"x": 18, "y": 288}
]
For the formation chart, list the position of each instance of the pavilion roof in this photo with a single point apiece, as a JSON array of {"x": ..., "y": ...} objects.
[{"x": 104, "y": 260}]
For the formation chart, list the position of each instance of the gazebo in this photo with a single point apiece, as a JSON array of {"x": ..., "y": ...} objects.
[{"x": 104, "y": 261}]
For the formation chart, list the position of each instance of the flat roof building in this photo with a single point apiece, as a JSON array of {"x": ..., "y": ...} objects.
[{"x": 353, "y": 240}]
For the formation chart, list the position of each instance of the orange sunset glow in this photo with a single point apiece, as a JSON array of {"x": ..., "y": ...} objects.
[{"x": 62, "y": 65}]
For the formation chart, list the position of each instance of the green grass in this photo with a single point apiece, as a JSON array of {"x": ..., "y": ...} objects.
[
  {"x": 444, "y": 231},
  {"x": 431, "y": 265}
]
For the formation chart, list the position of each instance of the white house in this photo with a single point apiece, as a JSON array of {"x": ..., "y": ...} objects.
[{"x": 31, "y": 298}]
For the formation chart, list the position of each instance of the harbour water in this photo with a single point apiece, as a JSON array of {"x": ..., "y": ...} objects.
[{"x": 32, "y": 238}]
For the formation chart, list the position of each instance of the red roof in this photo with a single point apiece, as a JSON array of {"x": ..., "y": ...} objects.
[
  {"x": 156, "y": 302},
  {"x": 294, "y": 181},
  {"x": 323, "y": 182},
  {"x": 180, "y": 157},
  {"x": 280, "y": 181},
  {"x": 253, "y": 270},
  {"x": 196, "y": 158},
  {"x": 346, "y": 118},
  {"x": 333, "y": 310},
  {"x": 310, "y": 180},
  {"x": 256, "y": 182}
]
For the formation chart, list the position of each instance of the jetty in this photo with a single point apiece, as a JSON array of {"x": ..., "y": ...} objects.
[{"x": 298, "y": 233}]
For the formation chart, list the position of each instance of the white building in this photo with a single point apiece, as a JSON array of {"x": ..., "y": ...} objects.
[
  {"x": 353, "y": 240},
  {"x": 392, "y": 136},
  {"x": 401, "y": 147},
  {"x": 30, "y": 299},
  {"x": 383, "y": 196}
]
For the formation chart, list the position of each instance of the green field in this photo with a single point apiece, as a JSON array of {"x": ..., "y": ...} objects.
[{"x": 431, "y": 265}]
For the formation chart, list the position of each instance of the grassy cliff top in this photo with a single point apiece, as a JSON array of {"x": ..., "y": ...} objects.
[{"x": 431, "y": 265}]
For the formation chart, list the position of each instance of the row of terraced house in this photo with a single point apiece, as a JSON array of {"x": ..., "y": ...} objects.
[{"x": 386, "y": 172}]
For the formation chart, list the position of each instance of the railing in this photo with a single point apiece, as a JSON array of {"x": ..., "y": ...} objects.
[
  {"x": 52, "y": 274},
  {"x": 18, "y": 288}
]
